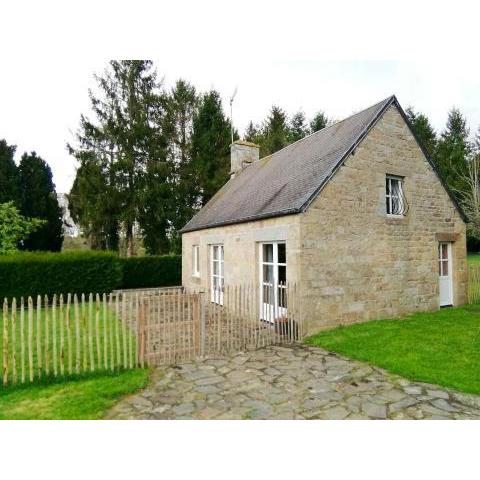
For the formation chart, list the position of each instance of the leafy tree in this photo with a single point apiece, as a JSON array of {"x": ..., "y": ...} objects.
[
  {"x": 39, "y": 199},
  {"x": 9, "y": 181},
  {"x": 211, "y": 137},
  {"x": 252, "y": 133},
  {"x": 126, "y": 142},
  {"x": 423, "y": 130},
  {"x": 181, "y": 107},
  {"x": 319, "y": 121},
  {"x": 298, "y": 127},
  {"x": 92, "y": 206},
  {"x": 275, "y": 132},
  {"x": 14, "y": 228},
  {"x": 453, "y": 150}
]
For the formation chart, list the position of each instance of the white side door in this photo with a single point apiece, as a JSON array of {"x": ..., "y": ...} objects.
[{"x": 445, "y": 273}]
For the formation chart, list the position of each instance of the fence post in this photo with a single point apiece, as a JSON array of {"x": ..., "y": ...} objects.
[{"x": 202, "y": 323}]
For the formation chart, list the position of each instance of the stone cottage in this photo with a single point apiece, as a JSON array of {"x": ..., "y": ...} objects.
[{"x": 355, "y": 214}]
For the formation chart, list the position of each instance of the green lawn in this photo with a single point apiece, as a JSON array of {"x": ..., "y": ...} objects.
[
  {"x": 473, "y": 258},
  {"x": 81, "y": 399},
  {"x": 78, "y": 343},
  {"x": 439, "y": 347}
]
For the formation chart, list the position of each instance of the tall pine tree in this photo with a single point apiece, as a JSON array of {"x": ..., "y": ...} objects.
[
  {"x": 39, "y": 200},
  {"x": 9, "y": 177},
  {"x": 298, "y": 127},
  {"x": 126, "y": 139},
  {"x": 423, "y": 130},
  {"x": 453, "y": 150},
  {"x": 181, "y": 107},
  {"x": 211, "y": 138},
  {"x": 319, "y": 121},
  {"x": 275, "y": 132}
]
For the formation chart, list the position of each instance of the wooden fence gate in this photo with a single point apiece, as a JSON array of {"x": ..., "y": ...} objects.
[{"x": 174, "y": 325}]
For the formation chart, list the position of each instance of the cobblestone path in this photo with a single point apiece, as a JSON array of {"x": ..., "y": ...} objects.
[{"x": 299, "y": 382}]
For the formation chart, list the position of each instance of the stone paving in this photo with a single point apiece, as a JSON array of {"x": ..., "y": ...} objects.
[{"x": 299, "y": 382}]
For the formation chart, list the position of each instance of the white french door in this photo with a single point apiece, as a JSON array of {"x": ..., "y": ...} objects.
[
  {"x": 217, "y": 277},
  {"x": 273, "y": 279},
  {"x": 445, "y": 273}
]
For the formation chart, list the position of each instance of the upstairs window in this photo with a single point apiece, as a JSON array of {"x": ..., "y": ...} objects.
[
  {"x": 196, "y": 260},
  {"x": 396, "y": 204}
]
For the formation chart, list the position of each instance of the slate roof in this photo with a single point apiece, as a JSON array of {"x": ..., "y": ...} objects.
[{"x": 287, "y": 181}]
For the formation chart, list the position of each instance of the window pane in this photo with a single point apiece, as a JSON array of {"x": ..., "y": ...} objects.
[
  {"x": 445, "y": 268},
  {"x": 282, "y": 275},
  {"x": 216, "y": 270},
  {"x": 282, "y": 253},
  {"x": 387, "y": 185},
  {"x": 444, "y": 251},
  {"x": 282, "y": 297},
  {"x": 221, "y": 252},
  {"x": 215, "y": 252},
  {"x": 268, "y": 273},
  {"x": 388, "y": 205},
  {"x": 395, "y": 187},
  {"x": 268, "y": 294},
  {"x": 268, "y": 252},
  {"x": 396, "y": 206}
]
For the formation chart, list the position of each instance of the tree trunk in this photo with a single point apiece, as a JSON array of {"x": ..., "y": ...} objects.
[{"x": 129, "y": 239}]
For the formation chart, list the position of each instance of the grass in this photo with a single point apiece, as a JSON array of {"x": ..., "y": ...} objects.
[
  {"x": 110, "y": 346},
  {"x": 473, "y": 258},
  {"x": 79, "y": 399},
  {"x": 440, "y": 347}
]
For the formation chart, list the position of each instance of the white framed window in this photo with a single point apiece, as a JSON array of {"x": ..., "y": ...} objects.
[
  {"x": 217, "y": 281},
  {"x": 394, "y": 198},
  {"x": 196, "y": 260},
  {"x": 273, "y": 280}
]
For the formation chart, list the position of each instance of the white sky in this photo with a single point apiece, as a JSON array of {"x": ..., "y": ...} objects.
[{"x": 298, "y": 55}]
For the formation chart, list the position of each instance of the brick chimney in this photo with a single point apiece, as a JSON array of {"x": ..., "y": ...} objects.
[{"x": 242, "y": 154}]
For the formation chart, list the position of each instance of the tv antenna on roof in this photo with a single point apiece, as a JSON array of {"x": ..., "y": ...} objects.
[{"x": 231, "y": 110}]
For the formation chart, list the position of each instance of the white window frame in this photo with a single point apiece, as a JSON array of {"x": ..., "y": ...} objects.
[
  {"x": 217, "y": 280},
  {"x": 195, "y": 260},
  {"x": 390, "y": 196},
  {"x": 269, "y": 312}
]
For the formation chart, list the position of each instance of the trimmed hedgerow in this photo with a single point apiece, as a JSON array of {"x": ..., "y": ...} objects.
[
  {"x": 154, "y": 271},
  {"x": 43, "y": 273}
]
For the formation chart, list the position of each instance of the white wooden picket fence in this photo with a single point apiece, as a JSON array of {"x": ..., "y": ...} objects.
[{"x": 79, "y": 334}]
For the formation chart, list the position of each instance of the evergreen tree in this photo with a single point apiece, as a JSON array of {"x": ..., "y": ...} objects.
[
  {"x": 298, "y": 127},
  {"x": 181, "y": 107},
  {"x": 9, "y": 179},
  {"x": 319, "y": 121},
  {"x": 211, "y": 138},
  {"x": 126, "y": 140},
  {"x": 39, "y": 200},
  {"x": 453, "y": 151},
  {"x": 275, "y": 132},
  {"x": 423, "y": 130},
  {"x": 92, "y": 204},
  {"x": 252, "y": 133}
]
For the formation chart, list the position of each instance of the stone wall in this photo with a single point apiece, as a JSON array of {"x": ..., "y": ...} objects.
[
  {"x": 357, "y": 263},
  {"x": 241, "y": 246}
]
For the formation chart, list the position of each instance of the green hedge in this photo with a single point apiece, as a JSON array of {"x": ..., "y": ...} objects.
[
  {"x": 40, "y": 273},
  {"x": 155, "y": 271}
]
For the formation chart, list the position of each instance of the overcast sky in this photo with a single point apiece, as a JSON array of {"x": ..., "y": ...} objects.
[{"x": 283, "y": 56}]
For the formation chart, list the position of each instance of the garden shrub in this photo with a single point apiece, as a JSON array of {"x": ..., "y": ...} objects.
[
  {"x": 47, "y": 273},
  {"x": 154, "y": 271},
  {"x": 43, "y": 273}
]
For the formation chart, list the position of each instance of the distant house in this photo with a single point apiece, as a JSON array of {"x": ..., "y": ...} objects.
[
  {"x": 355, "y": 214},
  {"x": 70, "y": 229}
]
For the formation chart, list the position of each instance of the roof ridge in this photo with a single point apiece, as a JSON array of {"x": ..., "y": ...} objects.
[{"x": 387, "y": 100}]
